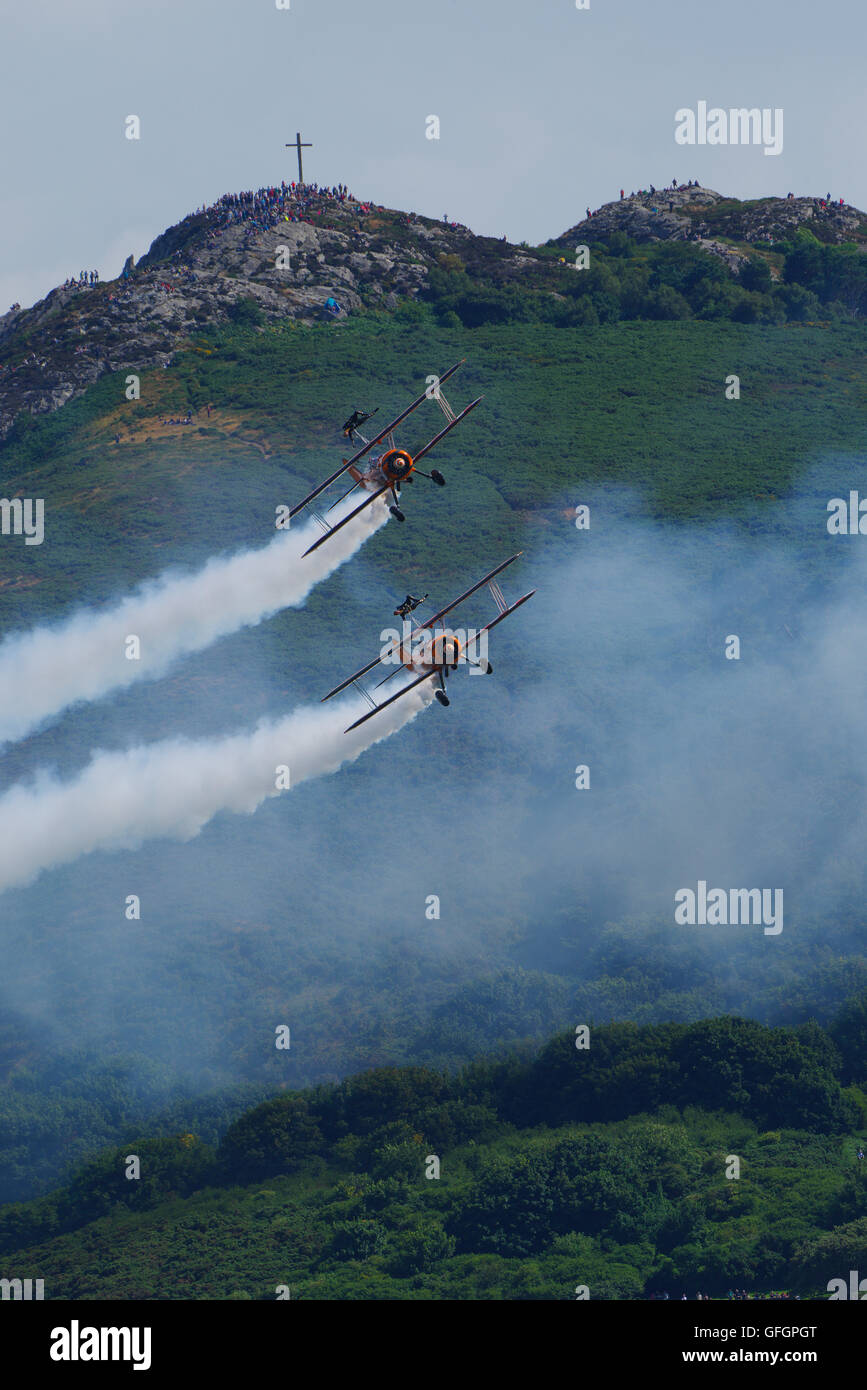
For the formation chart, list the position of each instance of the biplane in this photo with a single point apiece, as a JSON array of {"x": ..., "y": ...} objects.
[
  {"x": 431, "y": 651},
  {"x": 388, "y": 471}
]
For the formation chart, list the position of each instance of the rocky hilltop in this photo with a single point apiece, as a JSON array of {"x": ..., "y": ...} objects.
[
  {"x": 220, "y": 264},
  {"x": 692, "y": 213},
  {"x": 225, "y": 263}
]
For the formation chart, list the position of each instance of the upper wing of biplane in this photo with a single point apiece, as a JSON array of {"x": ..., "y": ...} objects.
[
  {"x": 347, "y": 463},
  {"x": 430, "y": 622}
]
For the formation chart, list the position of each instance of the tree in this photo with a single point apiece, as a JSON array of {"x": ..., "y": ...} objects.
[
  {"x": 756, "y": 275},
  {"x": 665, "y": 303},
  {"x": 280, "y": 1136},
  {"x": 849, "y": 1031}
]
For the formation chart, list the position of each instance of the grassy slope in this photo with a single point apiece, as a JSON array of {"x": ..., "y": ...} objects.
[
  {"x": 762, "y": 1232},
  {"x": 636, "y": 404}
]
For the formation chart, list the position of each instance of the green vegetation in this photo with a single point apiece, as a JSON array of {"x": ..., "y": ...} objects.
[
  {"x": 669, "y": 280},
  {"x": 600, "y": 1166}
]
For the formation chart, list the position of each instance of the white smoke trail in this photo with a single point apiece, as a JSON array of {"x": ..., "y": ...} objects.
[
  {"x": 44, "y": 671},
  {"x": 173, "y": 788}
]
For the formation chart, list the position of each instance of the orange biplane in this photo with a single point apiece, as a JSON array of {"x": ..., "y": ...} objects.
[
  {"x": 431, "y": 651},
  {"x": 388, "y": 471}
]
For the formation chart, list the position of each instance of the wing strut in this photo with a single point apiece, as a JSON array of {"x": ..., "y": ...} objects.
[
  {"x": 340, "y": 524},
  {"x": 487, "y": 579},
  {"x": 426, "y": 675},
  {"x": 450, "y": 426},
  {"x": 499, "y": 618}
]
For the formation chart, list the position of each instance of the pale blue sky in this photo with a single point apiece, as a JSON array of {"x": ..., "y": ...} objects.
[{"x": 543, "y": 109}]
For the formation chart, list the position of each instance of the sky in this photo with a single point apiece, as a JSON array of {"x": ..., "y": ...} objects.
[{"x": 543, "y": 110}]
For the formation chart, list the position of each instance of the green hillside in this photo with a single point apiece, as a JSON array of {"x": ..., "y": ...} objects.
[
  {"x": 639, "y": 405},
  {"x": 599, "y": 1167}
]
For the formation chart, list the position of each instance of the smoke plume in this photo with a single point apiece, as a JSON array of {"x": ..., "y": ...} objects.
[
  {"x": 173, "y": 788},
  {"x": 44, "y": 671}
]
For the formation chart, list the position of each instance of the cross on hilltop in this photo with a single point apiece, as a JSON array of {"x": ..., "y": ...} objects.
[{"x": 299, "y": 145}]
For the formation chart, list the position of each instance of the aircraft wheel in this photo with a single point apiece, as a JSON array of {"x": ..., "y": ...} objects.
[
  {"x": 438, "y": 478},
  {"x": 397, "y": 513},
  {"x": 442, "y": 697},
  {"x": 489, "y": 670}
]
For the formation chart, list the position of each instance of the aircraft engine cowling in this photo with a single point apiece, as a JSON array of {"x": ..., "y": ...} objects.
[
  {"x": 442, "y": 650},
  {"x": 396, "y": 465}
]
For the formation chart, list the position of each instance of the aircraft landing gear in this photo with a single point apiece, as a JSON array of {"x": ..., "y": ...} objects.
[
  {"x": 438, "y": 477},
  {"x": 397, "y": 513},
  {"x": 442, "y": 697}
]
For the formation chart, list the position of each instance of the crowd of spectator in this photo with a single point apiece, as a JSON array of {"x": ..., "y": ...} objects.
[
  {"x": 286, "y": 202},
  {"x": 651, "y": 192},
  {"x": 85, "y": 278}
]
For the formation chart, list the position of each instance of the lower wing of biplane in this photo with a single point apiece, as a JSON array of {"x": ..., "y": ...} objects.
[
  {"x": 429, "y": 654},
  {"x": 396, "y": 466}
]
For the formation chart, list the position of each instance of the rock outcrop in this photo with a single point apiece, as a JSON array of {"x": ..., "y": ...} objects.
[{"x": 700, "y": 214}]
